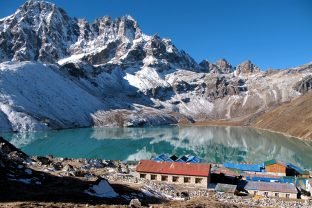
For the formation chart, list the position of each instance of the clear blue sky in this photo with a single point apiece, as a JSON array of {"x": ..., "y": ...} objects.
[{"x": 271, "y": 33}]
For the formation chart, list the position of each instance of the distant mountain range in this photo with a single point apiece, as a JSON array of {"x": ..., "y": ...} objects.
[{"x": 61, "y": 72}]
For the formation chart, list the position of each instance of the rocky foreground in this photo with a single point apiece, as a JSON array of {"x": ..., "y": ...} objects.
[{"x": 61, "y": 182}]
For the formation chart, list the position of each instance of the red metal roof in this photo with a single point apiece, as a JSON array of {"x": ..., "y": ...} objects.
[{"x": 174, "y": 168}]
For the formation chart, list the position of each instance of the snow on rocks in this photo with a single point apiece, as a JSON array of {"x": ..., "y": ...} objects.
[
  {"x": 101, "y": 188},
  {"x": 93, "y": 163},
  {"x": 43, "y": 98},
  {"x": 140, "y": 116},
  {"x": 135, "y": 203}
]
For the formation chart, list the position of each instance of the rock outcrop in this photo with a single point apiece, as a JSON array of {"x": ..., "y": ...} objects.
[
  {"x": 13, "y": 163},
  {"x": 304, "y": 85},
  {"x": 247, "y": 67},
  {"x": 38, "y": 30},
  {"x": 221, "y": 66}
]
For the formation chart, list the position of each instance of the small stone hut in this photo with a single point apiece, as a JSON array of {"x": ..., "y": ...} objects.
[{"x": 271, "y": 189}]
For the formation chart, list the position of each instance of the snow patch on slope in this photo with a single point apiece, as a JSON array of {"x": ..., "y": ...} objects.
[
  {"x": 72, "y": 58},
  {"x": 21, "y": 121},
  {"x": 34, "y": 96},
  {"x": 146, "y": 78},
  {"x": 103, "y": 189}
]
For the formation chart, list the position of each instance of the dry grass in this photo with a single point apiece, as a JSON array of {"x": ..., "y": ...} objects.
[
  {"x": 294, "y": 118},
  {"x": 214, "y": 123},
  {"x": 193, "y": 203},
  {"x": 202, "y": 202}
]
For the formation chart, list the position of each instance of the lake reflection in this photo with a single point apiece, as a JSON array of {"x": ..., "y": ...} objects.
[{"x": 214, "y": 144}]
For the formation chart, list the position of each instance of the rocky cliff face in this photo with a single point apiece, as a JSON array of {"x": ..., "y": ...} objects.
[
  {"x": 247, "y": 67},
  {"x": 37, "y": 31},
  {"x": 40, "y": 31},
  {"x": 109, "y": 72},
  {"x": 221, "y": 66},
  {"x": 304, "y": 85}
]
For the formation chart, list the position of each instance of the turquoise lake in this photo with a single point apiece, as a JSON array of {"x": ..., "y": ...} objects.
[{"x": 213, "y": 144}]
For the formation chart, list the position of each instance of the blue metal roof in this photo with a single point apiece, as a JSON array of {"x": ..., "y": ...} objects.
[
  {"x": 163, "y": 157},
  {"x": 296, "y": 168},
  {"x": 245, "y": 167},
  {"x": 287, "y": 180},
  {"x": 184, "y": 158},
  {"x": 180, "y": 160},
  {"x": 265, "y": 179},
  {"x": 194, "y": 159},
  {"x": 284, "y": 179}
]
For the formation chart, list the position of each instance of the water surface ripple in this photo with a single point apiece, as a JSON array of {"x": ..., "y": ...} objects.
[{"x": 214, "y": 144}]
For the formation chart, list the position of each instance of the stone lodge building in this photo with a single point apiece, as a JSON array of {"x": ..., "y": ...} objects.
[
  {"x": 272, "y": 189},
  {"x": 194, "y": 174}
]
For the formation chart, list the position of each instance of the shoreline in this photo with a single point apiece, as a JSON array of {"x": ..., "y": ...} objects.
[
  {"x": 224, "y": 123},
  {"x": 240, "y": 122}
]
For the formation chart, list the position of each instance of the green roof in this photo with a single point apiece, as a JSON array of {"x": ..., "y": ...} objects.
[{"x": 270, "y": 162}]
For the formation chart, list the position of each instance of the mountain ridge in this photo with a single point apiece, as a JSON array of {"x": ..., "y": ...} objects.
[
  {"x": 81, "y": 36},
  {"x": 130, "y": 78},
  {"x": 293, "y": 118}
]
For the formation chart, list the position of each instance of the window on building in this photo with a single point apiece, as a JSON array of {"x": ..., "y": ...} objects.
[
  {"x": 266, "y": 194},
  {"x": 153, "y": 177},
  {"x": 187, "y": 179},
  {"x": 175, "y": 178},
  {"x": 276, "y": 195},
  {"x": 142, "y": 175},
  {"x": 287, "y": 195},
  {"x": 164, "y": 178},
  {"x": 198, "y": 180}
]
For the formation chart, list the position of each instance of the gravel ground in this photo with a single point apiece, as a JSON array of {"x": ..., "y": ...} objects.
[{"x": 61, "y": 182}]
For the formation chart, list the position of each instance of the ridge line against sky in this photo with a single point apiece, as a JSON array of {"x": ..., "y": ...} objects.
[{"x": 271, "y": 33}]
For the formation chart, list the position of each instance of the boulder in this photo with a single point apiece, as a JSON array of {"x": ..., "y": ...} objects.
[
  {"x": 135, "y": 203},
  {"x": 43, "y": 160}
]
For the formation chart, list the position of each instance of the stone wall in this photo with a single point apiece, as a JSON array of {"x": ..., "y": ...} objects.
[
  {"x": 176, "y": 179},
  {"x": 273, "y": 194}
]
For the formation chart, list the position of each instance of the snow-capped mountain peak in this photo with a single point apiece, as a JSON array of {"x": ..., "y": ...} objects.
[
  {"x": 38, "y": 30},
  {"x": 41, "y": 31}
]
